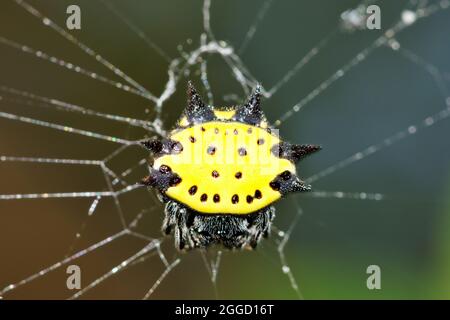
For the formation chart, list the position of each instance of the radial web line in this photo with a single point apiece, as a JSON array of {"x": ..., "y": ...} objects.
[
  {"x": 50, "y": 160},
  {"x": 120, "y": 267},
  {"x": 161, "y": 255},
  {"x": 63, "y": 262},
  {"x": 81, "y": 229},
  {"x": 96, "y": 201},
  {"x": 212, "y": 266},
  {"x": 437, "y": 75},
  {"x": 411, "y": 130},
  {"x": 204, "y": 78},
  {"x": 131, "y": 169},
  {"x": 136, "y": 30},
  {"x": 48, "y": 22},
  {"x": 361, "y": 56},
  {"x": 126, "y": 231},
  {"x": 281, "y": 246},
  {"x": 207, "y": 18},
  {"x": 254, "y": 26},
  {"x": 69, "y": 107},
  {"x": 300, "y": 64},
  {"x": 70, "y": 66},
  {"x": 113, "y": 175},
  {"x": 389, "y": 141},
  {"x": 239, "y": 71},
  {"x": 303, "y": 61},
  {"x": 116, "y": 199},
  {"x": 345, "y": 195},
  {"x": 59, "y": 127},
  {"x": 97, "y": 194},
  {"x": 84, "y": 194},
  {"x": 161, "y": 278}
]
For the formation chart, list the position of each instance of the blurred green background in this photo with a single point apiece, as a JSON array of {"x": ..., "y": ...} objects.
[{"x": 406, "y": 234}]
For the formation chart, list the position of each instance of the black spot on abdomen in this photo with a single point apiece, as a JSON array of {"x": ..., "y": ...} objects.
[{"x": 193, "y": 190}]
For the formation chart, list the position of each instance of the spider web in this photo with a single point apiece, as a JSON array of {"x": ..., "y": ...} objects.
[{"x": 117, "y": 193}]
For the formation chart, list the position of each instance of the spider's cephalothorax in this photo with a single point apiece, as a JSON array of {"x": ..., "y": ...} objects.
[{"x": 219, "y": 173}]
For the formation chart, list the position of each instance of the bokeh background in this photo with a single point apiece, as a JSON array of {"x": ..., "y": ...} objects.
[{"x": 406, "y": 234}]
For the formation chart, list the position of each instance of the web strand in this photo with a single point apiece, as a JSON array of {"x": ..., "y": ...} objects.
[
  {"x": 361, "y": 56},
  {"x": 387, "y": 142},
  {"x": 48, "y": 22},
  {"x": 120, "y": 267},
  {"x": 254, "y": 26},
  {"x": 70, "y": 66},
  {"x": 33, "y": 100},
  {"x": 136, "y": 30}
]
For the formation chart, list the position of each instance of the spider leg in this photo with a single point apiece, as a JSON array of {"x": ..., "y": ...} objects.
[
  {"x": 259, "y": 226},
  {"x": 177, "y": 217}
]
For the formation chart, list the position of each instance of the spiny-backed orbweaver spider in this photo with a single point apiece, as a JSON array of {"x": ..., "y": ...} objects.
[{"x": 219, "y": 173}]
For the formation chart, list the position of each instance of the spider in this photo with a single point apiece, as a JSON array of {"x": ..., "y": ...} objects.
[{"x": 219, "y": 172}]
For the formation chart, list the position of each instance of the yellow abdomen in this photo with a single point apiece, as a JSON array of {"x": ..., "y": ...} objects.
[{"x": 225, "y": 168}]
